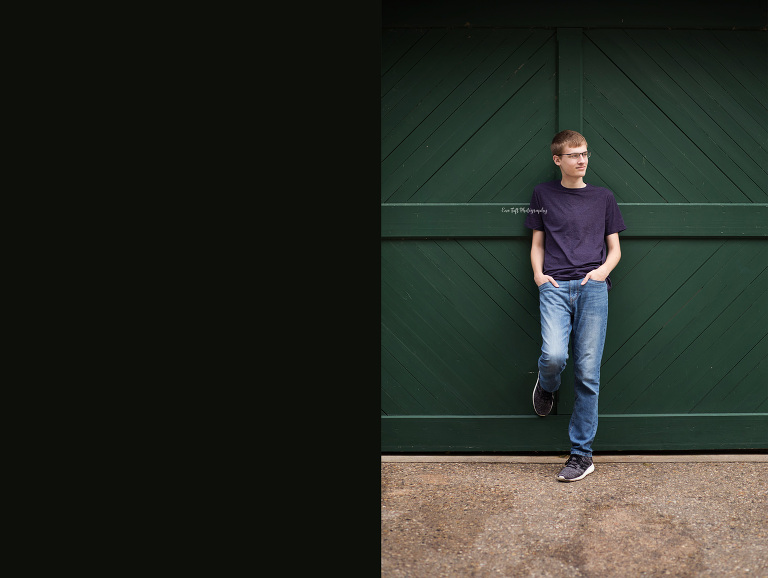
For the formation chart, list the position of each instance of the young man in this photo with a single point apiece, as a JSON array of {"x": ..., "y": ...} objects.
[{"x": 575, "y": 246}]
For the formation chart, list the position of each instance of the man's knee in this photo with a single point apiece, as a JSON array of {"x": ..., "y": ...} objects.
[{"x": 554, "y": 361}]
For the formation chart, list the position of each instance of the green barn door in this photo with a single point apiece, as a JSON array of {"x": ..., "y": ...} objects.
[{"x": 677, "y": 122}]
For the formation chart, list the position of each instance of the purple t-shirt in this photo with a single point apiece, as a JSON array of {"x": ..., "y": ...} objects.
[{"x": 575, "y": 224}]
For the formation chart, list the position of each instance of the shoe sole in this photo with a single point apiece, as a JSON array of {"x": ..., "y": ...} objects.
[
  {"x": 588, "y": 471},
  {"x": 533, "y": 399}
]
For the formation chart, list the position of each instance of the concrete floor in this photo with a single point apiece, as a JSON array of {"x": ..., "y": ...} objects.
[{"x": 636, "y": 515}]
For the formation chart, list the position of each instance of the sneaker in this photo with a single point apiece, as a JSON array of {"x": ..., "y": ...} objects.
[
  {"x": 576, "y": 468},
  {"x": 542, "y": 400}
]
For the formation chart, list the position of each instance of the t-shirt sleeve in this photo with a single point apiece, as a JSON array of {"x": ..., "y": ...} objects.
[
  {"x": 614, "y": 222},
  {"x": 533, "y": 220}
]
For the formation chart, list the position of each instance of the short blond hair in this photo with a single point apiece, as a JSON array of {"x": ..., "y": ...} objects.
[{"x": 566, "y": 138}]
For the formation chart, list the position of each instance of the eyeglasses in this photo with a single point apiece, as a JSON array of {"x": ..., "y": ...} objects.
[{"x": 576, "y": 156}]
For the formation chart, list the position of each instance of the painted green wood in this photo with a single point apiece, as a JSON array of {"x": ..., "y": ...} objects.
[
  {"x": 396, "y": 63},
  {"x": 691, "y": 58},
  {"x": 440, "y": 161},
  {"x": 718, "y": 431},
  {"x": 482, "y": 164},
  {"x": 425, "y": 220},
  {"x": 570, "y": 98},
  {"x": 480, "y": 349},
  {"x": 460, "y": 346},
  {"x": 630, "y": 155},
  {"x": 678, "y": 124},
  {"x": 702, "y": 95},
  {"x": 441, "y": 99},
  {"x": 735, "y": 65},
  {"x": 432, "y": 74},
  {"x": 730, "y": 174},
  {"x": 660, "y": 347},
  {"x": 640, "y": 100}
]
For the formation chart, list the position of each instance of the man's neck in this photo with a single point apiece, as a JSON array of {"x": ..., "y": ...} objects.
[{"x": 572, "y": 183}]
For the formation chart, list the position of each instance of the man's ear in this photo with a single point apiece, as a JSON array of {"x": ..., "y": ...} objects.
[{"x": 556, "y": 159}]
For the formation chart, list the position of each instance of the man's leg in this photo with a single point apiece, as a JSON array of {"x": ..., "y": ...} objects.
[
  {"x": 590, "y": 320},
  {"x": 555, "y": 309}
]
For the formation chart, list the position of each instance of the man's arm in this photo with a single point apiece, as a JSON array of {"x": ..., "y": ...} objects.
[
  {"x": 611, "y": 259},
  {"x": 537, "y": 260}
]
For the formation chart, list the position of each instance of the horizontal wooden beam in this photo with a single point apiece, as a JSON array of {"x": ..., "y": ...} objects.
[
  {"x": 615, "y": 433},
  {"x": 461, "y": 220}
]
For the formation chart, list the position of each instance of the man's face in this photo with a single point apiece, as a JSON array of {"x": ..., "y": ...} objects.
[{"x": 572, "y": 166}]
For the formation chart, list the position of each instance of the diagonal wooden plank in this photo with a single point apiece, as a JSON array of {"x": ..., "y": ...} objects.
[
  {"x": 463, "y": 324},
  {"x": 448, "y": 81},
  {"x": 735, "y": 56},
  {"x": 466, "y": 157},
  {"x": 401, "y": 392},
  {"x": 666, "y": 52},
  {"x": 492, "y": 57},
  {"x": 425, "y": 342},
  {"x": 646, "y": 287},
  {"x": 637, "y": 174},
  {"x": 515, "y": 180},
  {"x": 431, "y": 79},
  {"x": 404, "y": 64},
  {"x": 395, "y": 43},
  {"x": 684, "y": 316},
  {"x": 611, "y": 165},
  {"x": 428, "y": 369},
  {"x": 512, "y": 269},
  {"x": 702, "y": 363},
  {"x": 714, "y": 353},
  {"x": 644, "y": 291},
  {"x": 744, "y": 388},
  {"x": 714, "y": 79},
  {"x": 609, "y": 89},
  {"x": 501, "y": 287},
  {"x": 724, "y": 176},
  {"x": 522, "y": 161},
  {"x": 489, "y": 149},
  {"x": 469, "y": 117},
  {"x": 479, "y": 314},
  {"x": 408, "y": 334}
]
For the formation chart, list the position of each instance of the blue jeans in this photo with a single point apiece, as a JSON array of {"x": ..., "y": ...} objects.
[{"x": 581, "y": 311}]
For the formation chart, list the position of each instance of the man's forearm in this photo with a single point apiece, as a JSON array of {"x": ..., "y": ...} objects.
[
  {"x": 611, "y": 260},
  {"x": 537, "y": 260}
]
